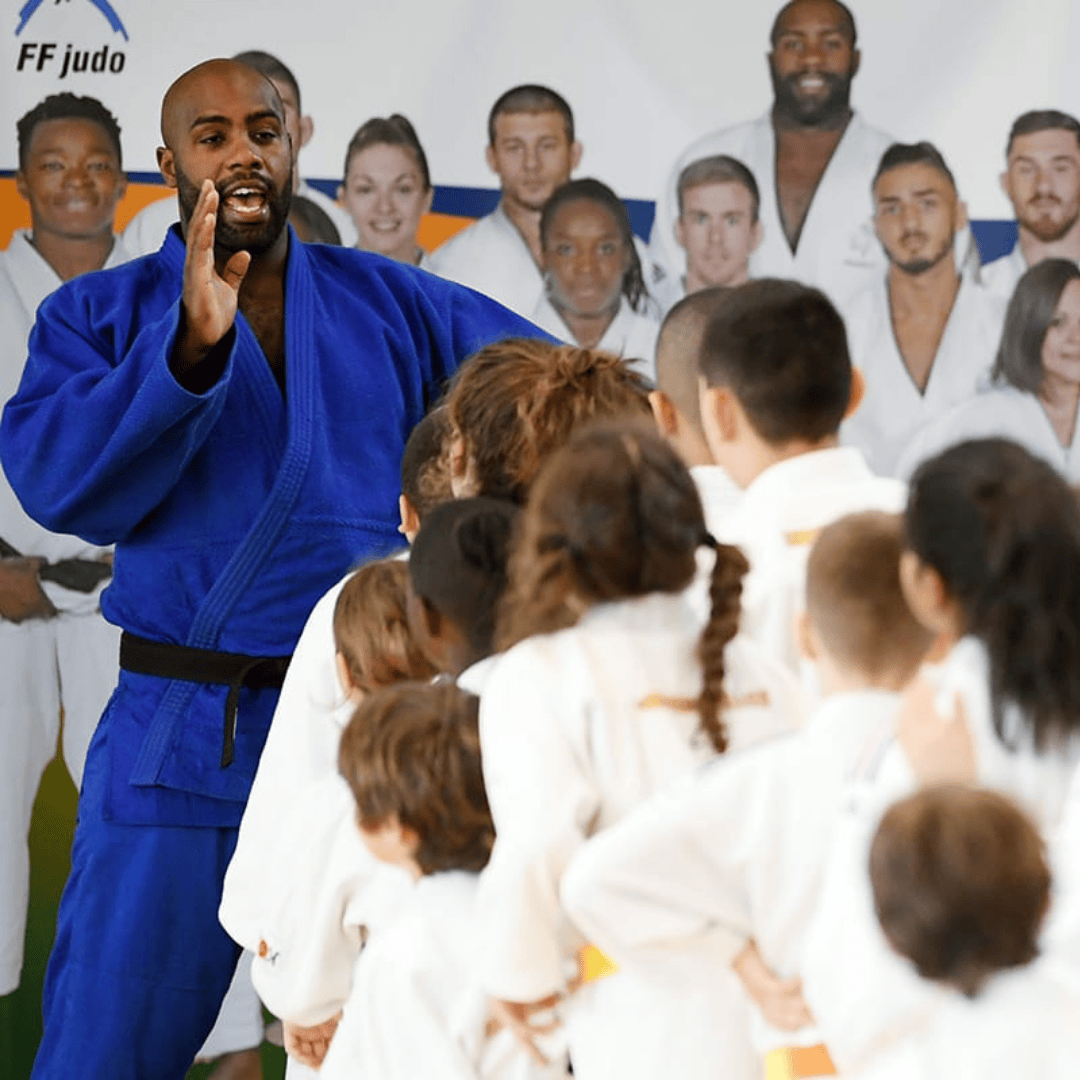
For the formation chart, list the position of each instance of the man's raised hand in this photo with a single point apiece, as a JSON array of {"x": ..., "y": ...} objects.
[{"x": 209, "y": 298}]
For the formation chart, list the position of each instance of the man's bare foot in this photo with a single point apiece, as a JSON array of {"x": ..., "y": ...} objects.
[{"x": 239, "y": 1065}]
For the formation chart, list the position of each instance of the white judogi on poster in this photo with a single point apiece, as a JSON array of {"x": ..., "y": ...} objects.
[
  {"x": 577, "y": 727},
  {"x": 631, "y": 335},
  {"x": 69, "y": 661},
  {"x": 837, "y": 248},
  {"x": 1005, "y": 413},
  {"x": 417, "y": 1008},
  {"x": 863, "y": 994},
  {"x": 1000, "y": 276},
  {"x": 492, "y": 257},
  {"x": 775, "y": 524},
  {"x": 894, "y": 409},
  {"x": 146, "y": 231},
  {"x": 1025, "y": 1023},
  {"x": 741, "y": 845}
]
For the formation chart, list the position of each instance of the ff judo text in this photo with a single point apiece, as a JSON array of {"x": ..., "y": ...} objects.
[{"x": 39, "y": 55}]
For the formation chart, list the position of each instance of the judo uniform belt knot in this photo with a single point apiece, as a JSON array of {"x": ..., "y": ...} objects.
[{"x": 141, "y": 656}]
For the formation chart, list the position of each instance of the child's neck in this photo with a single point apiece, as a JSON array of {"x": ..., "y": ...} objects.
[
  {"x": 835, "y": 678},
  {"x": 765, "y": 455}
]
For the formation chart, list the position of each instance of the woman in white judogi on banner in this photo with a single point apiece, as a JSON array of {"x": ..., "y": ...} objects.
[
  {"x": 1035, "y": 393},
  {"x": 594, "y": 291}
]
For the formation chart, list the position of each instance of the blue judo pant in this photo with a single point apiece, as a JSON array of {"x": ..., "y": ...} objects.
[{"x": 140, "y": 964}]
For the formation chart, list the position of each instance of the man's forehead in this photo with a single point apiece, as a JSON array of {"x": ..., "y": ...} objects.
[
  {"x": 714, "y": 191},
  {"x": 913, "y": 176},
  {"x": 1049, "y": 141},
  {"x": 511, "y": 124},
  {"x": 57, "y": 132},
  {"x": 218, "y": 88},
  {"x": 805, "y": 15}
]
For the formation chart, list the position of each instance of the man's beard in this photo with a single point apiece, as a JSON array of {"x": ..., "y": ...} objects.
[
  {"x": 819, "y": 112},
  {"x": 1046, "y": 230},
  {"x": 915, "y": 267},
  {"x": 256, "y": 237}
]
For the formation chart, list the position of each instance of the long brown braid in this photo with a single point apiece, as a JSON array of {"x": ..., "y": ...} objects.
[{"x": 725, "y": 596}]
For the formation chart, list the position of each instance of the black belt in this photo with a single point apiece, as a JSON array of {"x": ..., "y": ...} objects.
[
  {"x": 234, "y": 670},
  {"x": 79, "y": 575}
]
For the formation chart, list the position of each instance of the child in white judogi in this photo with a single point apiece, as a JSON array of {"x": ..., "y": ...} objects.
[
  {"x": 776, "y": 381},
  {"x": 675, "y": 404},
  {"x": 411, "y": 757},
  {"x": 946, "y": 860},
  {"x": 993, "y": 566},
  {"x": 599, "y": 700},
  {"x": 742, "y": 844}
]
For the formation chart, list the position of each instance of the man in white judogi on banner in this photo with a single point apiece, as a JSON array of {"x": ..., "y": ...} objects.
[
  {"x": 52, "y": 634},
  {"x": 532, "y": 150},
  {"x": 923, "y": 335},
  {"x": 812, "y": 155},
  {"x": 1042, "y": 180},
  {"x": 147, "y": 229}
]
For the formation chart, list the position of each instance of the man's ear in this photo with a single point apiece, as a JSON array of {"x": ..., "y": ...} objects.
[
  {"x": 857, "y": 393},
  {"x": 576, "y": 150},
  {"x": 167, "y": 165},
  {"x": 664, "y": 413},
  {"x": 21, "y": 185},
  {"x": 491, "y": 159},
  {"x": 962, "y": 218},
  {"x": 757, "y": 233},
  {"x": 307, "y": 129}
]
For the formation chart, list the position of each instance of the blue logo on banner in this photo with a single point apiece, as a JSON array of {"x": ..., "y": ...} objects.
[{"x": 103, "y": 6}]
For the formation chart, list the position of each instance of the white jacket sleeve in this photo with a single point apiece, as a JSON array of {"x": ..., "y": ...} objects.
[
  {"x": 544, "y": 804},
  {"x": 676, "y": 870}
]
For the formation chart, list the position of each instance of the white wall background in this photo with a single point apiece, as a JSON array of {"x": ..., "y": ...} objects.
[{"x": 643, "y": 77}]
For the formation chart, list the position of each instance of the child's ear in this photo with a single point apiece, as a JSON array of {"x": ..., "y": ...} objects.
[
  {"x": 410, "y": 522},
  {"x": 858, "y": 392},
  {"x": 805, "y": 637},
  {"x": 347, "y": 685},
  {"x": 664, "y": 413}
]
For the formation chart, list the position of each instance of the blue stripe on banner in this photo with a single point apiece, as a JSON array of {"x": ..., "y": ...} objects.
[{"x": 994, "y": 238}]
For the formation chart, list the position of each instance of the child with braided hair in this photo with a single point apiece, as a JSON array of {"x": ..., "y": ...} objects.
[{"x": 609, "y": 688}]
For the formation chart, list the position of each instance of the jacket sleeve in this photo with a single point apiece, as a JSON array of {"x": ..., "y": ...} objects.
[{"x": 99, "y": 430}]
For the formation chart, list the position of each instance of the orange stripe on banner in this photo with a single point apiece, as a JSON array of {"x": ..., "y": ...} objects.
[
  {"x": 798, "y": 1063},
  {"x": 436, "y": 229},
  {"x": 595, "y": 965}
]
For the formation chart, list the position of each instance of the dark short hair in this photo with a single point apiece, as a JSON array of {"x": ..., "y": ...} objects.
[
  {"x": 394, "y": 130},
  {"x": 312, "y": 223},
  {"x": 67, "y": 107},
  {"x": 845, "y": 11},
  {"x": 269, "y": 65},
  {"x": 961, "y": 884},
  {"x": 457, "y": 564},
  {"x": 425, "y": 464},
  {"x": 1042, "y": 120},
  {"x": 1027, "y": 320},
  {"x": 531, "y": 98},
  {"x": 589, "y": 189},
  {"x": 412, "y": 751},
  {"x": 920, "y": 153},
  {"x": 719, "y": 169},
  {"x": 781, "y": 348}
]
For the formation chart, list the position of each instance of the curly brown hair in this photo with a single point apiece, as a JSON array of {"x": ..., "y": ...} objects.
[
  {"x": 371, "y": 630},
  {"x": 615, "y": 514},
  {"x": 412, "y": 751},
  {"x": 516, "y": 401}
]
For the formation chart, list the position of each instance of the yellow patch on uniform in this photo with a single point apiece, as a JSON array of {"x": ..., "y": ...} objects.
[
  {"x": 801, "y": 537},
  {"x": 595, "y": 965},
  {"x": 798, "y": 1063}
]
